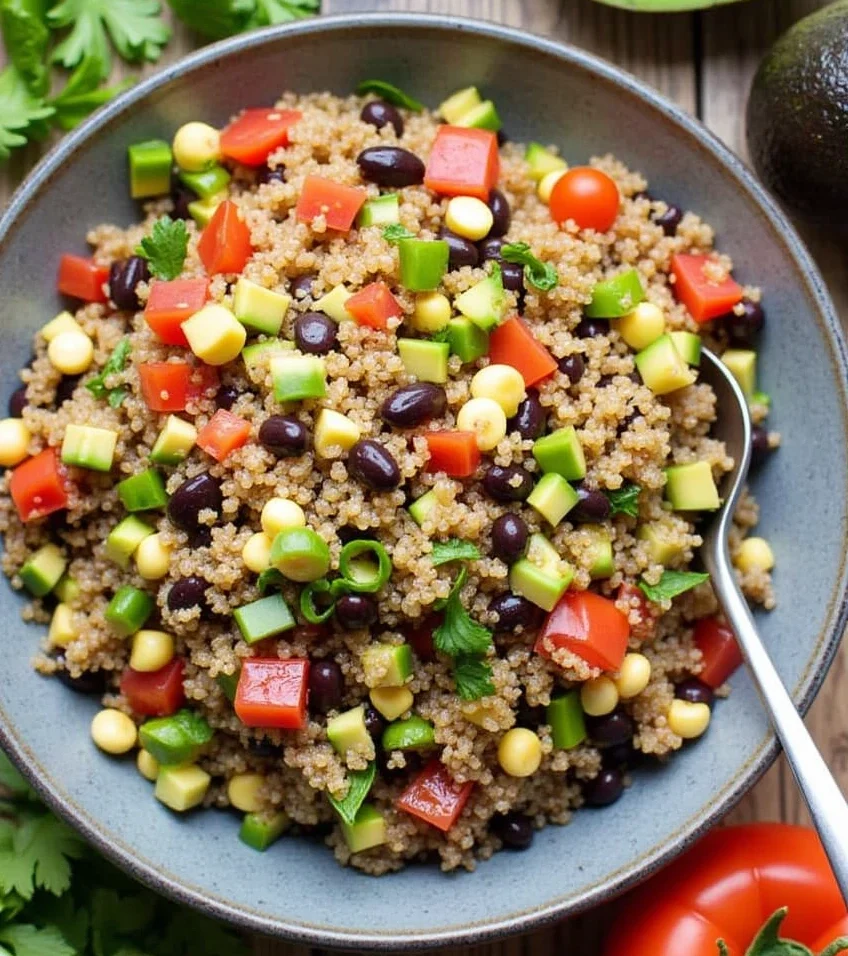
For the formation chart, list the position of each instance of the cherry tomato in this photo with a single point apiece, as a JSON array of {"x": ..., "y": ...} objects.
[{"x": 587, "y": 196}]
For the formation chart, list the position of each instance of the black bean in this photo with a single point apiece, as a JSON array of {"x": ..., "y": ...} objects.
[
  {"x": 514, "y": 830},
  {"x": 501, "y": 137},
  {"x": 66, "y": 388},
  {"x": 695, "y": 691},
  {"x": 124, "y": 277},
  {"x": 284, "y": 435},
  {"x": 514, "y": 611},
  {"x": 605, "y": 789},
  {"x": 591, "y": 328},
  {"x": 509, "y": 537},
  {"x": 271, "y": 174},
  {"x": 187, "y": 593},
  {"x": 315, "y": 333},
  {"x": 374, "y": 724},
  {"x": 348, "y": 533},
  {"x": 669, "y": 220},
  {"x": 572, "y": 366},
  {"x": 88, "y": 682},
  {"x": 414, "y": 404},
  {"x": 355, "y": 611},
  {"x": 530, "y": 717},
  {"x": 611, "y": 729},
  {"x": 193, "y": 496},
  {"x": 18, "y": 402},
  {"x": 501, "y": 213},
  {"x": 226, "y": 397},
  {"x": 531, "y": 419},
  {"x": 513, "y": 277},
  {"x": 743, "y": 327},
  {"x": 593, "y": 506},
  {"x": 326, "y": 686},
  {"x": 491, "y": 248},
  {"x": 301, "y": 287},
  {"x": 390, "y": 166},
  {"x": 374, "y": 465},
  {"x": 760, "y": 448},
  {"x": 264, "y": 748},
  {"x": 379, "y": 113},
  {"x": 181, "y": 196},
  {"x": 461, "y": 251},
  {"x": 507, "y": 483}
]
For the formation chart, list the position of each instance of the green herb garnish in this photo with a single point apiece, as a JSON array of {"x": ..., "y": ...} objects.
[
  {"x": 83, "y": 94},
  {"x": 269, "y": 580},
  {"x": 671, "y": 584},
  {"x": 541, "y": 275},
  {"x": 459, "y": 633},
  {"x": 390, "y": 93},
  {"x": 165, "y": 248},
  {"x": 624, "y": 500},
  {"x": 395, "y": 232},
  {"x": 360, "y": 783},
  {"x": 222, "y": 18},
  {"x": 26, "y": 39},
  {"x": 22, "y": 113},
  {"x": 116, "y": 362},
  {"x": 455, "y": 549},
  {"x": 473, "y": 678}
]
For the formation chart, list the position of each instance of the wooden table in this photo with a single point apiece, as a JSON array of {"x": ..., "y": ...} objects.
[{"x": 703, "y": 61}]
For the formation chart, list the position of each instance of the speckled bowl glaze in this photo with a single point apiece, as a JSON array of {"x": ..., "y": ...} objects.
[{"x": 545, "y": 91}]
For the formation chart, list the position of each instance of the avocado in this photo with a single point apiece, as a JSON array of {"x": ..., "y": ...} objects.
[
  {"x": 742, "y": 364},
  {"x": 67, "y": 590},
  {"x": 553, "y": 497},
  {"x": 797, "y": 119},
  {"x": 367, "y": 830},
  {"x": 688, "y": 345},
  {"x": 463, "y": 101},
  {"x": 381, "y": 211},
  {"x": 88, "y": 447},
  {"x": 387, "y": 665},
  {"x": 347, "y": 731},
  {"x": 181, "y": 788},
  {"x": 565, "y": 716},
  {"x": 333, "y": 303},
  {"x": 297, "y": 377},
  {"x": 421, "y": 507},
  {"x": 543, "y": 554},
  {"x": 62, "y": 628},
  {"x": 602, "y": 563},
  {"x": 260, "y": 830},
  {"x": 427, "y": 361},
  {"x": 660, "y": 548},
  {"x": 206, "y": 182},
  {"x": 561, "y": 453},
  {"x": 259, "y": 308},
  {"x": 174, "y": 442},
  {"x": 124, "y": 538},
  {"x": 542, "y": 587},
  {"x": 202, "y": 210},
  {"x": 616, "y": 297},
  {"x": 482, "y": 116},
  {"x": 484, "y": 303},
  {"x": 691, "y": 487},
  {"x": 257, "y": 353},
  {"x": 414, "y": 733},
  {"x": 542, "y": 161},
  {"x": 175, "y": 739},
  {"x": 41, "y": 573},
  {"x": 662, "y": 368},
  {"x": 466, "y": 339}
]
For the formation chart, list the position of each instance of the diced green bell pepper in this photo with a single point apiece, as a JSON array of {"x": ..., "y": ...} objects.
[
  {"x": 175, "y": 739},
  {"x": 260, "y": 830},
  {"x": 423, "y": 263},
  {"x": 565, "y": 716},
  {"x": 264, "y": 618},
  {"x": 129, "y": 609},
  {"x": 615, "y": 297},
  {"x": 150, "y": 168},
  {"x": 143, "y": 492},
  {"x": 208, "y": 182}
]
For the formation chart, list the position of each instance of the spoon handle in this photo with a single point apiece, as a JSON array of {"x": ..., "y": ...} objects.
[{"x": 825, "y": 801}]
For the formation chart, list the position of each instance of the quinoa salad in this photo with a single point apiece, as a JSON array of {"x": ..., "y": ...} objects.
[{"x": 361, "y": 480}]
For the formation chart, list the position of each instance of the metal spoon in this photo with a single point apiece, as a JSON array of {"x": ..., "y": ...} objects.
[{"x": 825, "y": 801}]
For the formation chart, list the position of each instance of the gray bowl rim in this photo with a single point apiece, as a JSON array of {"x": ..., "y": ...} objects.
[{"x": 803, "y": 694}]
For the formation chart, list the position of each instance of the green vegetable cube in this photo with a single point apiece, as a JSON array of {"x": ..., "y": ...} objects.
[
  {"x": 565, "y": 716},
  {"x": 259, "y": 308},
  {"x": 208, "y": 182},
  {"x": 423, "y": 263},
  {"x": 456, "y": 106},
  {"x": 482, "y": 116},
  {"x": 143, "y": 492},
  {"x": 414, "y": 733},
  {"x": 67, "y": 590},
  {"x": 181, "y": 788},
  {"x": 387, "y": 665},
  {"x": 264, "y": 618},
  {"x": 382, "y": 211},
  {"x": 542, "y": 161},
  {"x": 150, "y": 169},
  {"x": 124, "y": 538},
  {"x": 561, "y": 453},
  {"x": 688, "y": 345},
  {"x": 42, "y": 572},
  {"x": 367, "y": 830},
  {"x": 129, "y": 610},
  {"x": 229, "y": 684},
  {"x": 691, "y": 487},
  {"x": 260, "y": 830},
  {"x": 541, "y": 586},
  {"x": 423, "y": 506},
  {"x": 89, "y": 447},
  {"x": 743, "y": 367},
  {"x": 662, "y": 368},
  {"x": 176, "y": 739},
  {"x": 333, "y": 304},
  {"x": 174, "y": 442},
  {"x": 301, "y": 554},
  {"x": 485, "y": 302},
  {"x": 602, "y": 562},
  {"x": 297, "y": 377},
  {"x": 347, "y": 731},
  {"x": 553, "y": 497},
  {"x": 615, "y": 297},
  {"x": 262, "y": 352},
  {"x": 202, "y": 210},
  {"x": 467, "y": 340},
  {"x": 426, "y": 361}
]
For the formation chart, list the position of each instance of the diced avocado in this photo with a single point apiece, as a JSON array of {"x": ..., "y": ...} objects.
[
  {"x": 662, "y": 368},
  {"x": 691, "y": 487},
  {"x": 423, "y": 506},
  {"x": 129, "y": 610},
  {"x": 427, "y": 361},
  {"x": 208, "y": 182},
  {"x": 143, "y": 492},
  {"x": 387, "y": 665},
  {"x": 544, "y": 555},
  {"x": 181, "y": 788},
  {"x": 561, "y": 453},
  {"x": 382, "y": 211},
  {"x": 229, "y": 684},
  {"x": 615, "y": 297},
  {"x": 482, "y": 116},
  {"x": 347, "y": 731},
  {"x": 334, "y": 430},
  {"x": 63, "y": 322},
  {"x": 485, "y": 302},
  {"x": 259, "y": 308},
  {"x": 264, "y": 618},
  {"x": 391, "y": 702},
  {"x": 602, "y": 564},
  {"x": 174, "y": 442},
  {"x": 743, "y": 367},
  {"x": 67, "y": 590},
  {"x": 202, "y": 210},
  {"x": 367, "y": 830},
  {"x": 150, "y": 168},
  {"x": 553, "y": 497},
  {"x": 42, "y": 570},
  {"x": 62, "y": 628},
  {"x": 260, "y": 830},
  {"x": 333, "y": 304},
  {"x": 176, "y": 739},
  {"x": 124, "y": 538},
  {"x": 662, "y": 547},
  {"x": 262, "y": 352},
  {"x": 414, "y": 733},
  {"x": 423, "y": 263},
  {"x": 297, "y": 377},
  {"x": 565, "y": 716},
  {"x": 542, "y": 161},
  {"x": 688, "y": 345},
  {"x": 467, "y": 340},
  {"x": 89, "y": 447},
  {"x": 456, "y": 106},
  {"x": 542, "y": 587}
]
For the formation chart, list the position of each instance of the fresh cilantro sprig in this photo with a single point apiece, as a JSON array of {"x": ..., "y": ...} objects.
[
  {"x": 359, "y": 786},
  {"x": 671, "y": 584},
  {"x": 116, "y": 362},
  {"x": 27, "y": 38},
  {"x": 221, "y": 18},
  {"x": 23, "y": 114},
  {"x": 395, "y": 232},
  {"x": 454, "y": 549},
  {"x": 473, "y": 678},
  {"x": 624, "y": 500},
  {"x": 83, "y": 94},
  {"x": 165, "y": 248},
  {"x": 541, "y": 275}
]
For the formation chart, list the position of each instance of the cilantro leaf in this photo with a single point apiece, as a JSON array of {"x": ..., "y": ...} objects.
[
  {"x": 116, "y": 362},
  {"x": 215, "y": 18},
  {"x": 48, "y": 845},
  {"x": 671, "y": 584},
  {"x": 455, "y": 549},
  {"x": 22, "y": 115},
  {"x": 28, "y": 940},
  {"x": 165, "y": 248},
  {"x": 281, "y": 11},
  {"x": 395, "y": 232},
  {"x": 473, "y": 678},
  {"x": 82, "y": 94},
  {"x": 26, "y": 37},
  {"x": 11, "y": 780},
  {"x": 390, "y": 93},
  {"x": 459, "y": 633},
  {"x": 360, "y": 783},
  {"x": 624, "y": 500},
  {"x": 541, "y": 275}
]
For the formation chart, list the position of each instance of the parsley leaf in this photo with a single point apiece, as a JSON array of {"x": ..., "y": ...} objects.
[
  {"x": 360, "y": 783},
  {"x": 541, "y": 275},
  {"x": 116, "y": 362},
  {"x": 624, "y": 500},
  {"x": 165, "y": 248},
  {"x": 28, "y": 940},
  {"x": 81, "y": 95},
  {"x": 26, "y": 37},
  {"x": 473, "y": 678},
  {"x": 395, "y": 232},
  {"x": 214, "y": 18},
  {"x": 455, "y": 549},
  {"x": 22, "y": 115},
  {"x": 281, "y": 11},
  {"x": 459, "y": 633},
  {"x": 389, "y": 93},
  {"x": 671, "y": 584}
]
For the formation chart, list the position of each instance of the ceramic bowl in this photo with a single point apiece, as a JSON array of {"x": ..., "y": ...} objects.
[{"x": 547, "y": 92}]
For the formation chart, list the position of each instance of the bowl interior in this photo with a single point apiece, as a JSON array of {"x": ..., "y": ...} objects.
[{"x": 544, "y": 92}]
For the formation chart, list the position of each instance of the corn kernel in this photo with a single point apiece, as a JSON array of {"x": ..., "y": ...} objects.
[
  {"x": 547, "y": 183},
  {"x": 754, "y": 553},
  {"x": 644, "y": 325},
  {"x": 151, "y": 650},
  {"x": 432, "y": 312},
  {"x": 243, "y": 791},
  {"x": 503, "y": 384},
  {"x": 469, "y": 217},
  {"x": 147, "y": 764},
  {"x": 280, "y": 514},
  {"x": 62, "y": 627},
  {"x": 688, "y": 720},
  {"x": 196, "y": 146},
  {"x": 214, "y": 334},
  {"x": 485, "y": 418},
  {"x": 392, "y": 702},
  {"x": 599, "y": 696},
  {"x": 113, "y": 731},
  {"x": 152, "y": 558},
  {"x": 256, "y": 553},
  {"x": 520, "y": 752},
  {"x": 71, "y": 353},
  {"x": 14, "y": 441},
  {"x": 633, "y": 676}
]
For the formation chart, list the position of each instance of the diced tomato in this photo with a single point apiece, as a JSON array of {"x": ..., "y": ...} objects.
[
  {"x": 703, "y": 298},
  {"x": 171, "y": 303},
  {"x": 721, "y": 653},
  {"x": 225, "y": 244},
  {"x": 272, "y": 692},
  {"x": 421, "y": 637},
  {"x": 155, "y": 693},
  {"x": 223, "y": 434},
  {"x": 588, "y": 625},
  {"x": 512, "y": 343},
  {"x": 169, "y": 386},
  {"x": 373, "y": 306},
  {"x": 338, "y": 204},
  {"x": 435, "y": 797},
  {"x": 82, "y": 278},
  {"x": 463, "y": 162},
  {"x": 454, "y": 453},
  {"x": 38, "y": 486},
  {"x": 255, "y": 134}
]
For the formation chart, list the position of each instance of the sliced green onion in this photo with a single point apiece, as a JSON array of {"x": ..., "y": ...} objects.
[
  {"x": 390, "y": 93},
  {"x": 362, "y": 575},
  {"x": 269, "y": 580},
  {"x": 308, "y": 606}
]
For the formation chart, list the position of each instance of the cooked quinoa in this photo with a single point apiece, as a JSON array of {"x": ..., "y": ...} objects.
[{"x": 629, "y": 436}]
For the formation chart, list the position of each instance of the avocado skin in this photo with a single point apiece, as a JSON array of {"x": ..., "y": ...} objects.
[{"x": 797, "y": 117}]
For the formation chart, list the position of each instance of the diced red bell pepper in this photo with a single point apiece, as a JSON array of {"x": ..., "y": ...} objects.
[
  {"x": 255, "y": 134},
  {"x": 225, "y": 244},
  {"x": 588, "y": 625},
  {"x": 171, "y": 303},
  {"x": 169, "y": 386},
  {"x": 337, "y": 203},
  {"x": 435, "y": 797},
  {"x": 155, "y": 693},
  {"x": 463, "y": 162},
  {"x": 223, "y": 434},
  {"x": 721, "y": 653},
  {"x": 82, "y": 278},
  {"x": 454, "y": 453},
  {"x": 512, "y": 343},
  {"x": 272, "y": 692},
  {"x": 38, "y": 486},
  {"x": 374, "y": 306},
  {"x": 703, "y": 298}
]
